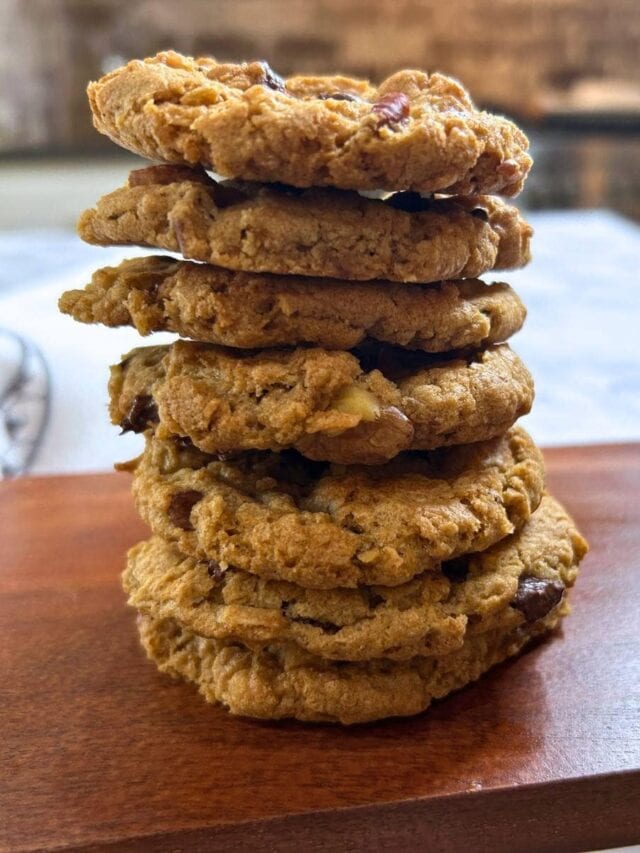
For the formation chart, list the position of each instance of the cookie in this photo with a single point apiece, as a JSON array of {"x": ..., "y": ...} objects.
[
  {"x": 329, "y": 405},
  {"x": 246, "y": 310},
  {"x": 414, "y": 131},
  {"x": 277, "y": 682},
  {"x": 284, "y": 517},
  {"x": 317, "y": 232},
  {"x": 518, "y": 580}
]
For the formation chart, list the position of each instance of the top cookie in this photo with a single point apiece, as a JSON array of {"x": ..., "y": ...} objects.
[{"x": 416, "y": 131}]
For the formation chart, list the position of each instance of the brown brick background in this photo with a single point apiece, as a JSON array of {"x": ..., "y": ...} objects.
[{"x": 512, "y": 54}]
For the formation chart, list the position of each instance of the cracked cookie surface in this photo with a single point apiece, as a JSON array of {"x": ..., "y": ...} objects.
[
  {"x": 519, "y": 580},
  {"x": 351, "y": 408},
  {"x": 277, "y": 682},
  {"x": 326, "y": 233},
  {"x": 415, "y": 131},
  {"x": 284, "y": 517},
  {"x": 246, "y": 310}
]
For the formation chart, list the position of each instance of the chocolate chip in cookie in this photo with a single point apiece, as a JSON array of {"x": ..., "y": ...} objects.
[
  {"x": 536, "y": 597},
  {"x": 142, "y": 414},
  {"x": 271, "y": 79},
  {"x": 180, "y": 507},
  {"x": 214, "y": 570}
]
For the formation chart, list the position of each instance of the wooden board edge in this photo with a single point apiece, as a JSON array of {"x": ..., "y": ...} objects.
[{"x": 595, "y": 812}]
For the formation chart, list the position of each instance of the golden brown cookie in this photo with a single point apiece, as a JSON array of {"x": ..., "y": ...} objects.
[
  {"x": 238, "y": 309},
  {"x": 520, "y": 579},
  {"x": 328, "y": 233},
  {"x": 415, "y": 131},
  {"x": 284, "y": 517},
  {"x": 277, "y": 682},
  {"x": 352, "y": 408}
]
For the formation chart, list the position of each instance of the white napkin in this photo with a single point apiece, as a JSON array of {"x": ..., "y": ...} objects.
[{"x": 79, "y": 435}]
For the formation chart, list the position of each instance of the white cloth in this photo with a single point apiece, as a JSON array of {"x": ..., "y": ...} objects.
[{"x": 579, "y": 341}]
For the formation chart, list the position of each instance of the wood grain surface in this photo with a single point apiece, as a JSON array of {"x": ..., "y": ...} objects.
[{"x": 101, "y": 752}]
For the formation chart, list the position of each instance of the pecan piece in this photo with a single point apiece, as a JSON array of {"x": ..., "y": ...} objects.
[{"x": 392, "y": 108}]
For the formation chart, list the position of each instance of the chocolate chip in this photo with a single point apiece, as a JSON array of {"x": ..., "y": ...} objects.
[
  {"x": 456, "y": 570},
  {"x": 480, "y": 213},
  {"x": 271, "y": 79},
  {"x": 536, "y": 597},
  {"x": 409, "y": 201},
  {"x": 338, "y": 96},
  {"x": 142, "y": 414},
  {"x": 214, "y": 571},
  {"x": 180, "y": 507},
  {"x": 392, "y": 108}
]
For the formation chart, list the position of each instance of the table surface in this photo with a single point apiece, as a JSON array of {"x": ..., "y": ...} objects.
[{"x": 99, "y": 750}]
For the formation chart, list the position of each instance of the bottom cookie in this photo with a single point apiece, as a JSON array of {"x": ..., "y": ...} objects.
[{"x": 284, "y": 681}]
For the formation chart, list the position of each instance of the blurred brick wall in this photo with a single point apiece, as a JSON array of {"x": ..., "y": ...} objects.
[{"x": 510, "y": 53}]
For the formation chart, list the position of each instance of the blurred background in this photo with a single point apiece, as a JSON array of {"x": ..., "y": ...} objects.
[{"x": 567, "y": 70}]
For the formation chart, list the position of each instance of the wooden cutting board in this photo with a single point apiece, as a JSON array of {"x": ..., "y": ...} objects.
[{"x": 100, "y": 750}]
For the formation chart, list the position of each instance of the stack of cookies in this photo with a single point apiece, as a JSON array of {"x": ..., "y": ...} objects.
[{"x": 346, "y": 522}]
